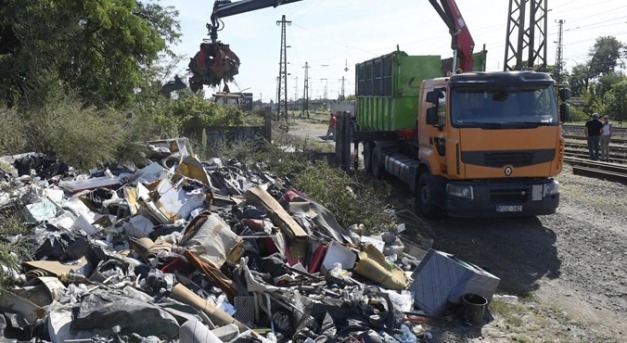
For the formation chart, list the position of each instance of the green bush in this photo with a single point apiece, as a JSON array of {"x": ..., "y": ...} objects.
[
  {"x": 578, "y": 115},
  {"x": 81, "y": 137},
  {"x": 195, "y": 112},
  {"x": 12, "y": 139},
  {"x": 353, "y": 199}
]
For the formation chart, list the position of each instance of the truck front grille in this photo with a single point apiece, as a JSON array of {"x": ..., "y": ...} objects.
[
  {"x": 500, "y": 159},
  {"x": 514, "y": 159},
  {"x": 509, "y": 196}
]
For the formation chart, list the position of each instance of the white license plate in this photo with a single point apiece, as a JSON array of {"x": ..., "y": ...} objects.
[{"x": 509, "y": 208}]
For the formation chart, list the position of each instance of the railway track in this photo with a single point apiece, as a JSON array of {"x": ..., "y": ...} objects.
[
  {"x": 596, "y": 169},
  {"x": 581, "y": 137},
  {"x": 618, "y": 153},
  {"x": 576, "y": 154}
]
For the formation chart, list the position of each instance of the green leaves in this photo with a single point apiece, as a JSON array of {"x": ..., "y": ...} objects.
[
  {"x": 97, "y": 47},
  {"x": 605, "y": 56}
]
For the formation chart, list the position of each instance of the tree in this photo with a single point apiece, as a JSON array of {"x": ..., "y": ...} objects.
[
  {"x": 98, "y": 48},
  {"x": 605, "y": 56},
  {"x": 579, "y": 79},
  {"x": 616, "y": 101},
  {"x": 606, "y": 83}
]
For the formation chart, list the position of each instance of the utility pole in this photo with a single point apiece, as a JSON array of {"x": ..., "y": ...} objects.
[
  {"x": 342, "y": 97},
  {"x": 326, "y": 84},
  {"x": 559, "y": 56},
  {"x": 306, "y": 91},
  {"x": 526, "y": 32},
  {"x": 282, "y": 93}
]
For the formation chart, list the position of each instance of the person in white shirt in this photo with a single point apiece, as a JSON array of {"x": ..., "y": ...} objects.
[{"x": 606, "y": 134}]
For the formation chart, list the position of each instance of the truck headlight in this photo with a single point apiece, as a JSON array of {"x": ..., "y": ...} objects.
[
  {"x": 552, "y": 188},
  {"x": 460, "y": 191}
]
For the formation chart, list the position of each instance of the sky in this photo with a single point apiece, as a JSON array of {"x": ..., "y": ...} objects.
[{"x": 332, "y": 35}]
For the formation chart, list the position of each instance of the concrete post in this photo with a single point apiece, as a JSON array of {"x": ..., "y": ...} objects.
[
  {"x": 267, "y": 126},
  {"x": 343, "y": 140}
]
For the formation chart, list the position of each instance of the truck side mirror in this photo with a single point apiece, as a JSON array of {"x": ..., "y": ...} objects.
[
  {"x": 432, "y": 116},
  {"x": 433, "y": 96},
  {"x": 564, "y": 94},
  {"x": 564, "y": 113}
]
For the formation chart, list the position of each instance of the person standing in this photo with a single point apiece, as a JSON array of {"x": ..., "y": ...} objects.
[
  {"x": 331, "y": 130},
  {"x": 606, "y": 135},
  {"x": 593, "y": 133}
]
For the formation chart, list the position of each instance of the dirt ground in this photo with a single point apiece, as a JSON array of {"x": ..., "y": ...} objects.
[{"x": 568, "y": 269}]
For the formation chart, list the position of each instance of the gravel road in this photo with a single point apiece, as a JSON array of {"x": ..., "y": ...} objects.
[{"x": 573, "y": 262}]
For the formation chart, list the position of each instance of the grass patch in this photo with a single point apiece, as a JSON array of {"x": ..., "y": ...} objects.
[
  {"x": 11, "y": 131},
  {"x": 532, "y": 321},
  {"x": 511, "y": 313},
  {"x": 11, "y": 224},
  {"x": 353, "y": 199}
]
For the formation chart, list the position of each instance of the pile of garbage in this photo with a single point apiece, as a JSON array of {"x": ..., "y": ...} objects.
[{"x": 190, "y": 251}]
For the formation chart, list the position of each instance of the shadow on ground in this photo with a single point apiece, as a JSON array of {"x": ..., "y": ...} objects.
[{"x": 520, "y": 251}]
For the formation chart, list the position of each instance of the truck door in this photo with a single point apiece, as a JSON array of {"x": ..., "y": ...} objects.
[{"x": 432, "y": 129}]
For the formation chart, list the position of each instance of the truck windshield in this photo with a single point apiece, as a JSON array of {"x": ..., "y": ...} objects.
[{"x": 512, "y": 107}]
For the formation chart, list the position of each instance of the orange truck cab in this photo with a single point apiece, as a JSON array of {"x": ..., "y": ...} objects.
[
  {"x": 490, "y": 144},
  {"x": 474, "y": 144}
]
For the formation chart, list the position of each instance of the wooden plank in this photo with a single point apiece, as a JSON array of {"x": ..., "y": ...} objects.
[{"x": 259, "y": 197}]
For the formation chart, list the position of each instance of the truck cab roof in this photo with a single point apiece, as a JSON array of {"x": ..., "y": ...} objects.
[
  {"x": 494, "y": 78},
  {"x": 501, "y": 78}
]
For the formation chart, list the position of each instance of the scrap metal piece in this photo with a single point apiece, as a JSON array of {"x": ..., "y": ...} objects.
[
  {"x": 213, "y": 63},
  {"x": 442, "y": 278},
  {"x": 217, "y": 316},
  {"x": 260, "y": 197},
  {"x": 245, "y": 307},
  {"x": 210, "y": 238}
]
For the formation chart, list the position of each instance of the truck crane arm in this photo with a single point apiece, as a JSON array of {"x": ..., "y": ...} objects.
[
  {"x": 216, "y": 63},
  {"x": 461, "y": 40},
  {"x": 225, "y": 8}
]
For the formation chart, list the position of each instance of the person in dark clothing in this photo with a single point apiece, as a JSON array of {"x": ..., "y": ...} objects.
[{"x": 593, "y": 134}]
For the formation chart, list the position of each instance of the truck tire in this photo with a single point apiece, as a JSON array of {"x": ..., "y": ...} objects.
[
  {"x": 368, "y": 147},
  {"x": 425, "y": 202},
  {"x": 378, "y": 170}
]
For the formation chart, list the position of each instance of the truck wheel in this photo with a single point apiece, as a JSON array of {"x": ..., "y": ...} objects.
[
  {"x": 425, "y": 202},
  {"x": 378, "y": 170},
  {"x": 368, "y": 147}
]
